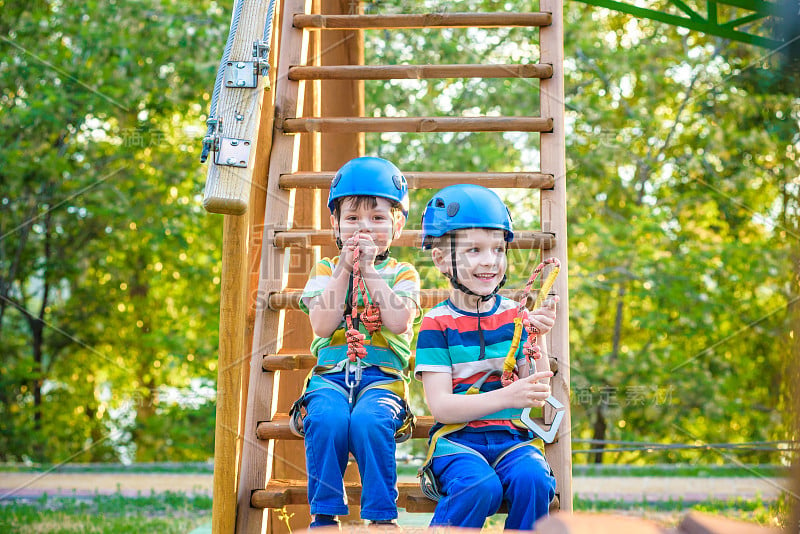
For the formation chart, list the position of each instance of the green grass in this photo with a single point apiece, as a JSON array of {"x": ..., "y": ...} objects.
[
  {"x": 167, "y": 512},
  {"x": 152, "y": 467},
  {"x": 679, "y": 470},
  {"x": 172, "y": 512}
]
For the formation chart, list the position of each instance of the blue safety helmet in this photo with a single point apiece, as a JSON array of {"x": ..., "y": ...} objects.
[
  {"x": 370, "y": 176},
  {"x": 464, "y": 206}
]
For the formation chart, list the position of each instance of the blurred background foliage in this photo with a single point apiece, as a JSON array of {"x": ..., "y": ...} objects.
[{"x": 682, "y": 177}]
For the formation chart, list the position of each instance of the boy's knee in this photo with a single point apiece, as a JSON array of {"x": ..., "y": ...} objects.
[
  {"x": 369, "y": 428},
  {"x": 322, "y": 418},
  {"x": 485, "y": 493}
]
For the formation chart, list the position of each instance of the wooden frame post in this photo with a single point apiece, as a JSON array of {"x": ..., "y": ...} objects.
[{"x": 554, "y": 219}]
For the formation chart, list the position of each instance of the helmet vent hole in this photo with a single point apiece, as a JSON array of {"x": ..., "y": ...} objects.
[
  {"x": 398, "y": 181},
  {"x": 439, "y": 203},
  {"x": 452, "y": 209},
  {"x": 336, "y": 179}
]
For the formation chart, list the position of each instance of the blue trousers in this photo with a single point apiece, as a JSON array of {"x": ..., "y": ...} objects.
[
  {"x": 472, "y": 490},
  {"x": 334, "y": 428}
]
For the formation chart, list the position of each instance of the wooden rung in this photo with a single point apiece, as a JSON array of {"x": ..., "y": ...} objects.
[
  {"x": 299, "y": 362},
  {"x": 409, "y": 238},
  {"x": 417, "y": 124},
  {"x": 280, "y": 493},
  {"x": 289, "y": 299},
  {"x": 432, "y": 180},
  {"x": 418, "y": 72},
  {"x": 278, "y": 428},
  {"x": 288, "y": 362},
  {"x": 424, "y": 20}
]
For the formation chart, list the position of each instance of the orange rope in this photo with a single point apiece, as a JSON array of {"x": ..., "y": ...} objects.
[
  {"x": 530, "y": 348},
  {"x": 371, "y": 317}
]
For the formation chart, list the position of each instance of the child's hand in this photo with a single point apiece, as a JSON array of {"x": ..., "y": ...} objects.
[
  {"x": 346, "y": 255},
  {"x": 529, "y": 392},
  {"x": 368, "y": 249},
  {"x": 542, "y": 319}
]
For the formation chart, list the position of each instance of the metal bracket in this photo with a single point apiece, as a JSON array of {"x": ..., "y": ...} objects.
[
  {"x": 245, "y": 74},
  {"x": 233, "y": 152},
  {"x": 241, "y": 74},
  {"x": 548, "y": 436}
]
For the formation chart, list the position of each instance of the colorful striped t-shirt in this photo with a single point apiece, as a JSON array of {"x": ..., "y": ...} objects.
[
  {"x": 449, "y": 342},
  {"x": 384, "y": 348}
]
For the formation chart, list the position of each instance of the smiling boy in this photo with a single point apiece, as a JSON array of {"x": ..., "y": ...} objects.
[{"x": 481, "y": 454}]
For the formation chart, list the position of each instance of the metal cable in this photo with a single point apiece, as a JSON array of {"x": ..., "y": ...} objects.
[{"x": 226, "y": 54}]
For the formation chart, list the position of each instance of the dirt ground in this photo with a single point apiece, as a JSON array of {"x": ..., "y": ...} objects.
[{"x": 31, "y": 485}]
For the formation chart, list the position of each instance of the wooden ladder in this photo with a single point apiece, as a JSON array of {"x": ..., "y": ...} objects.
[{"x": 259, "y": 464}]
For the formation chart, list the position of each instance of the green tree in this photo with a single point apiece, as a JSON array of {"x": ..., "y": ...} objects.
[{"x": 107, "y": 262}]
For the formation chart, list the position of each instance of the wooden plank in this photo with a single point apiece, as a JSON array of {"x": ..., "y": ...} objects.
[
  {"x": 289, "y": 457},
  {"x": 288, "y": 362},
  {"x": 289, "y": 299},
  {"x": 417, "y": 124},
  {"x": 280, "y": 493},
  {"x": 701, "y": 523},
  {"x": 419, "y": 72},
  {"x": 594, "y": 523},
  {"x": 432, "y": 180},
  {"x": 278, "y": 427},
  {"x": 227, "y": 430},
  {"x": 424, "y": 20},
  {"x": 409, "y": 238},
  {"x": 554, "y": 219},
  {"x": 257, "y": 456},
  {"x": 227, "y": 188},
  {"x": 305, "y": 361}
]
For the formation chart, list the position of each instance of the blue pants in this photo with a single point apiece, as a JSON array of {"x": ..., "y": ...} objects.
[
  {"x": 472, "y": 490},
  {"x": 334, "y": 428}
]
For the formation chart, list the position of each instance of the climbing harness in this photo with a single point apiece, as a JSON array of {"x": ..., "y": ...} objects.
[
  {"x": 427, "y": 481},
  {"x": 237, "y": 75},
  {"x": 397, "y": 386},
  {"x": 530, "y": 348}
]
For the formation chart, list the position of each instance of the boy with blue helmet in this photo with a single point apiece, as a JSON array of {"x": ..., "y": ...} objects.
[
  {"x": 355, "y": 398},
  {"x": 480, "y": 454}
]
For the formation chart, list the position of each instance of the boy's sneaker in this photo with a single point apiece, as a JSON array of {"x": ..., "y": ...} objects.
[
  {"x": 385, "y": 523},
  {"x": 322, "y": 520}
]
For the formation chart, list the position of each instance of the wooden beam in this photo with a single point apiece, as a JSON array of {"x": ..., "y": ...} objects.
[
  {"x": 289, "y": 299},
  {"x": 280, "y": 493},
  {"x": 228, "y": 188},
  {"x": 433, "y": 180},
  {"x": 418, "y": 72},
  {"x": 409, "y": 238},
  {"x": 417, "y": 124},
  {"x": 553, "y": 215},
  {"x": 278, "y": 427},
  {"x": 231, "y": 347},
  {"x": 257, "y": 456},
  {"x": 425, "y": 20}
]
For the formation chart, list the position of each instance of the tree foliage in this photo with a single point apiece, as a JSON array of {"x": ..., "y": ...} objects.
[
  {"x": 108, "y": 265},
  {"x": 682, "y": 202}
]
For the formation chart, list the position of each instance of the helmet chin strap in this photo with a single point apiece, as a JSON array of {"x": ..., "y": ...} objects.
[{"x": 461, "y": 287}]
